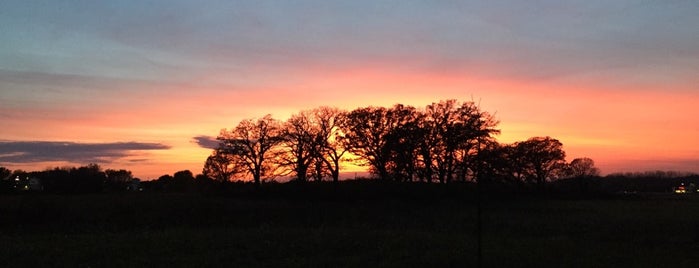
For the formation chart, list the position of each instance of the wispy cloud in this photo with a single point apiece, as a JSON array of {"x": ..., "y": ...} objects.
[
  {"x": 207, "y": 142},
  {"x": 46, "y": 151}
]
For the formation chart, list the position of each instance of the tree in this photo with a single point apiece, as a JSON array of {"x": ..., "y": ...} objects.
[
  {"x": 87, "y": 179},
  {"x": 453, "y": 133},
  {"x": 5, "y": 173},
  {"x": 582, "y": 174},
  {"x": 6, "y": 181},
  {"x": 403, "y": 142},
  {"x": 163, "y": 183},
  {"x": 470, "y": 131},
  {"x": 117, "y": 179},
  {"x": 438, "y": 160},
  {"x": 221, "y": 167},
  {"x": 251, "y": 144},
  {"x": 365, "y": 131},
  {"x": 539, "y": 159},
  {"x": 182, "y": 181},
  {"x": 582, "y": 167},
  {"x": 57, "y": 180},
  {"x": 205, "y": 183},
  {"x": 493, "y": 163},
  {"x": 118, "y": 176},
  {"x": 330, "y": 139},
  {"x": 301, "y": 144}
]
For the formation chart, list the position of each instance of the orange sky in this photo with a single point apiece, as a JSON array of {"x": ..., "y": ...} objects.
[
  {"x": 615, "y": 82},
  {"x": 622, "y": 132}
]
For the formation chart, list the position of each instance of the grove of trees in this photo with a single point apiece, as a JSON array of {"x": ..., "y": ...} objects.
[
  {"x": 90, "y": 178},
  {"x": 443, "y": 142},
  {"x": 446, "y": 141}
]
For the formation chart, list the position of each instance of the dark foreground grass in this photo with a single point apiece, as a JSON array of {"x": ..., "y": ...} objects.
[{"x": 403, "y": 230}]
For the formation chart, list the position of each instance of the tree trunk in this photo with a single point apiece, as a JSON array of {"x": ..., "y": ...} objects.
[
  {"x": 257, "y": 175},
  {"x": 336, "y": 176},
  {"x": 301, "y": 172}
]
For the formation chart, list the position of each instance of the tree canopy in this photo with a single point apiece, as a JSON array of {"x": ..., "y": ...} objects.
[{"x": 443, "y": 142}]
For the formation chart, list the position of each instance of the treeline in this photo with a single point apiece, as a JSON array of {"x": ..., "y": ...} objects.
[
  {"x": 444, "y": 142},
  {"x": 649, "y": 181},
  {"x": 85, "y": 179},
  {"x": 92, "y": 178}
]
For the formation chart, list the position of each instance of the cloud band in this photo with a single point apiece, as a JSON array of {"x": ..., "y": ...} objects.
[{"x": 46, "y": 151}]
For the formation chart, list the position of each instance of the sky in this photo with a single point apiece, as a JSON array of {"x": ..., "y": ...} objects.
[{"x": 144, "y": 85}]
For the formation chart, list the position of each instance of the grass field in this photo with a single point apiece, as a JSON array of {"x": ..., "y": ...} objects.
[{"x": 391, "y": 227}]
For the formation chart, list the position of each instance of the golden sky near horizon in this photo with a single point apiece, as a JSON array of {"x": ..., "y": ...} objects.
[{"x": 615, "y": 82}]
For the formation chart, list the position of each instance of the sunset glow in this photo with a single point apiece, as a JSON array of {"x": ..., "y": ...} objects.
[{"x": 616, "y": 82}]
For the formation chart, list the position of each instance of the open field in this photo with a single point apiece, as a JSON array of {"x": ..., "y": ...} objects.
[{"x": 347, "y": 227}]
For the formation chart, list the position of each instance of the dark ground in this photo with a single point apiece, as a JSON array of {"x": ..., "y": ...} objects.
[{"x": 350, "y": 226}]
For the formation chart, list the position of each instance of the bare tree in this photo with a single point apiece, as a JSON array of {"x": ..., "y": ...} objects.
[
  {"x": 331, "y": 140},
  {"x": 402, "y": 142},
  {"x": 438, "y": 160},
  {"x": 365, "y": 130},
  {"x": 472, "y": 131},
  {"x": 251, "y": 143},
  {"x": 300, "y": 144},
  {"x": 454, "y": 133}
]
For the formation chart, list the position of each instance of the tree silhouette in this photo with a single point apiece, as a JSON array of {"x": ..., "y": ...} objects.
[
  {"x": 454, "y": 133},
  {"x": 84, "y": 179},
  {"x": 300, "y": 144},
  {"x": 5, "y": 173},
  {"x": 436, "y": 154},
  {"x": 446, "y": 141},
  {"x": 403, "y": 143},
  {"x": 163, "y": 183},
  {"x": 539, "y": 158},
  {"x": 117, "y": 179},
  {"x": 56, "y": 180},
  {"x": 6, "y": 181},
  {"x": 182, "y": 181},
  {"x": 470, "y": 131},
  {"x": 221, "y": 167},
  {"x": 582, "y": 167},
  {"x": 493, "y": 163},
  {"x": 366, "y": 130},
  {"x": 251, "y": 144},
  {"x": 330, "y": 139}
]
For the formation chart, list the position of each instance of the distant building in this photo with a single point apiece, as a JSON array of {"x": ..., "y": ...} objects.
[{"x": 28, "y": 184}]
